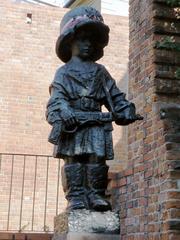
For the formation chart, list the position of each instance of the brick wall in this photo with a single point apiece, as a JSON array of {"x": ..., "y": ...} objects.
[
  {"x": 28, "y": 63},
  {"x": 147, "y": 192}
]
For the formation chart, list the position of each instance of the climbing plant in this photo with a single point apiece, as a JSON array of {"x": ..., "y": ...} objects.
[
  {"x": 169, "y": 42},
  {"x": 173, "y": 3}
]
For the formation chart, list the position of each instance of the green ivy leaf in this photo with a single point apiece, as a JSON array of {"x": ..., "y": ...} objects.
[
  {"x": 173, "y": 3},
  {"x": 168, "y": 43},
  {"x": 177, "y": 73}
]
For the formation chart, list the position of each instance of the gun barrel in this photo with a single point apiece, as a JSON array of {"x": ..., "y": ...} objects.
[
  {"x": 139, "y": 117},
  {"x": 94, "y": 116}
]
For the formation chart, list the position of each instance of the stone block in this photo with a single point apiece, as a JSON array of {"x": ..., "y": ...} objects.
[
  {"x": 87, "y": 236},
  {"x": 85, "y": 221}
]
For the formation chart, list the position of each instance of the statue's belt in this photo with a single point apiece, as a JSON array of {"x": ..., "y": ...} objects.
[
  {"x": 85, "y": 103},
  {"x": 94, "y": 116}
]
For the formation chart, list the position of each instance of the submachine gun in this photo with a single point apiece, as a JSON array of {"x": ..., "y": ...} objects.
[{"x": 84, "y": 119}]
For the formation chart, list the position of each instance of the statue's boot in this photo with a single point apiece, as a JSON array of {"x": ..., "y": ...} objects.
[
  {"x": 97, "y": 180},
  {"x": 73, "y": 178}
]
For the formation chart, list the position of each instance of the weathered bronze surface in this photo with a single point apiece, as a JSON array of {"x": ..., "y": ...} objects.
[{"x": 81, "y": 132}]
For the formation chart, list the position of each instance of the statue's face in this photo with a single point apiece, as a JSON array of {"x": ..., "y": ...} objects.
[{"x": 82, "y": 45}]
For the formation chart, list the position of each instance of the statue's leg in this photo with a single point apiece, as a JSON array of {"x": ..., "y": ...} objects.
[
  {"x": 73, "y": 184},
  {"x": 97, "y": 180}
]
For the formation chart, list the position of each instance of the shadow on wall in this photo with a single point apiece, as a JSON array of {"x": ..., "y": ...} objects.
[{"x": 120, "y": 135}]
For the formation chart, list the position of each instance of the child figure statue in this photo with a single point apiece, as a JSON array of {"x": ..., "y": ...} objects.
[{"x": 81, "y": 132}]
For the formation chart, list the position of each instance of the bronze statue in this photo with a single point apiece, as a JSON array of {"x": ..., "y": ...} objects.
[{"x": 82, "y": 133}]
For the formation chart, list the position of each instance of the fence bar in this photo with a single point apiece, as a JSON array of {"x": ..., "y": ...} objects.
[
  {"x": 10, "y": 191},
  {"x": 34, "y": 194},
  {"x": 47, "y": 176},
  {"x": 0, "y": 161},
  {"x": 22, "y": 193},
  {"x": 57, "y": 197},
  {"x": 25, "y": 154}
]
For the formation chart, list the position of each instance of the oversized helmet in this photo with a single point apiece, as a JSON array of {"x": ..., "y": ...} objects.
[{"x": 86, "y": 18}]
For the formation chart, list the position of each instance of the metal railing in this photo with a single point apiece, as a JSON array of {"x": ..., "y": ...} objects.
[
  {"x": 30, "y": 191},
  {"x": 25, "y": 236}
]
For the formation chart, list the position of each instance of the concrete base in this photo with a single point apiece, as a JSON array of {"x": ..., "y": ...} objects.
[
  {"x": 86, "y": 221},
  {"x": 86, "y": 236}
]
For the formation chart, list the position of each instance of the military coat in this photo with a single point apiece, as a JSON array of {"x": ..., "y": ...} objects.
[{"x": 83, "y": 86}]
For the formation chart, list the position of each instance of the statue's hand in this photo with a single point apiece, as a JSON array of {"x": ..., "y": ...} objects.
[
  {"x": 124, "y": 121},
  {"x": 68, "y": 118},
  {"x": 138, "y": 117},
  {"x": 128, "y": 120}
]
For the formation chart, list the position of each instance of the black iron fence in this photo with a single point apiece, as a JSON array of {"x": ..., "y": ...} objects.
[{"x": 30, "y": 192}]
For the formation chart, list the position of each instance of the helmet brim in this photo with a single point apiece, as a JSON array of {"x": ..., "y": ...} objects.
[{"x": 64, "y": 41}]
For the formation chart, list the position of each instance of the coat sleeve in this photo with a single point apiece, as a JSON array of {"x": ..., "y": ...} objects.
[
  {"x": 58, "y": 98},
  {"x": 124, "y": 110}
]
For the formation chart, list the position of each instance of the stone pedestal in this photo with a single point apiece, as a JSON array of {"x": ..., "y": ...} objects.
[
  {"x": 86, "y": 236},
  {"x": 86, "y": 225}
]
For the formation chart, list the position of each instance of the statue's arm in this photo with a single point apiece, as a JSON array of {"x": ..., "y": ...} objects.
[
  {"x": 125, "y": 111},
  {"x": 58, "y": 107}
]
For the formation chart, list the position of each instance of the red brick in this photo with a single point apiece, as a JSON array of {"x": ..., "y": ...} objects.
[
  {"x": 139, "y": 168},
  {"x": 122, "y": 182}
]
